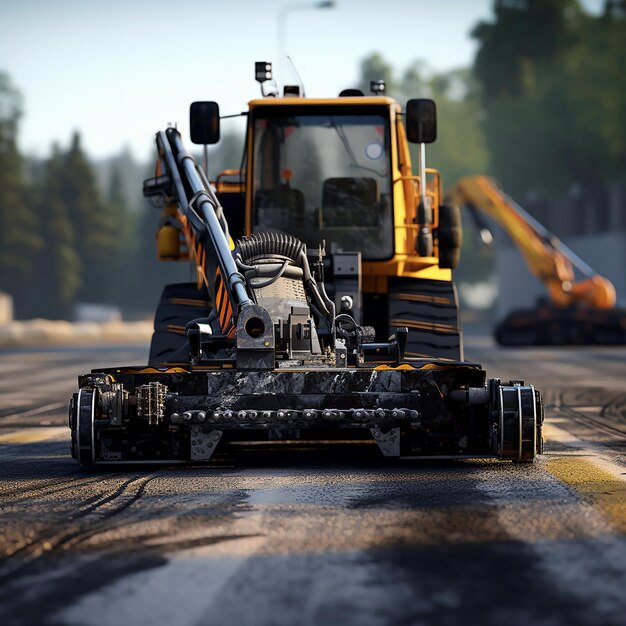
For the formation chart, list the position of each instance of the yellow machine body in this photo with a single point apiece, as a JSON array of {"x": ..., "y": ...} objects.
[{"x": 405, "y": 186}]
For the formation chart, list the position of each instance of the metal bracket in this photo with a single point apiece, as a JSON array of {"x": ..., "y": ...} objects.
[
  {"x": 348, "y": 288},
  {"x": 341, "y": 353},
  {"x": 389, "y": 442},
  {"x": 203, "y": 442},
  {"x": 255, "y": 339},
  {"x": 151, "y": 402}
]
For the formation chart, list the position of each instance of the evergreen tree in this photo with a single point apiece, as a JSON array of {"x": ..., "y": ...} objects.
[
  {"x": 595, "y": 86},
  {"x": 19, "y": 229},
  {"x": 93, "y": 224},
  {"x": 124, "y": 227},
  {"x": 58, "y": 264},
  {"x": 526, "y": 34},
  {"x": 553, "y": 95}
]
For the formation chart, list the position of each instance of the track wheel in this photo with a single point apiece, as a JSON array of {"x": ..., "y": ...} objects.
[
  {"x": 519, "y": 410},
  {"x": 84, "y": 433},
  {"x": 180, "y": 303}
]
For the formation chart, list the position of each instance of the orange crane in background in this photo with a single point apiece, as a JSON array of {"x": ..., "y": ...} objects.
[{"x": 582, "y": 303}]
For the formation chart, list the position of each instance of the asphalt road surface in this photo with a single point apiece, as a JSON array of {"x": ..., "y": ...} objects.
[{"x": 335, "y": 537}]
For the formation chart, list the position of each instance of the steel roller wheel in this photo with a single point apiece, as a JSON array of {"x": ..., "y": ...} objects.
[
  {"x": 520, "y": 419},
  {"x": 84, "y": 435}
]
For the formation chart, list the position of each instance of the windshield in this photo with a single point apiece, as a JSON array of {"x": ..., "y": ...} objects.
[{"x": 324, "y": 176}]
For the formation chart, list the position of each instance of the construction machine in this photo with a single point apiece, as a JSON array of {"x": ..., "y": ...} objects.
[
  {"x": 580, "y": 309},
  {"x": 324, "y": 308}
]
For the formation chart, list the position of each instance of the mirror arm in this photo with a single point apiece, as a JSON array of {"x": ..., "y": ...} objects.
[{"x": 424, "y": 211}]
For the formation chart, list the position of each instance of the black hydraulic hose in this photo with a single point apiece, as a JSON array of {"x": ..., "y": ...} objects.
[
  {"x": 267, "y": 244},
  {"x": 312, "y": 286},
  {"x": 219, "y": 211},
  {"x": 243, "y": 267},
  {"x": 272, "y": 279},
  {"x": 328, "y": 301},
  {"x": 264, "y": 244},
  {"x": 346, "y": 319}
]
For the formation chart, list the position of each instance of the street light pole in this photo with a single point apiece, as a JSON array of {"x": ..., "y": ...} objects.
[{"x": 282, "y": 32}]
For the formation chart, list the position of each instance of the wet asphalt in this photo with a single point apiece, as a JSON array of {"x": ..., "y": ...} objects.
[{"x": 327, "y": 536}]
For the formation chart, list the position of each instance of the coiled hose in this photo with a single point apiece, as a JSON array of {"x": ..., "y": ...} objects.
[
  {"x": 260, "y": 245},
  {"x": 264, "y": 244}
]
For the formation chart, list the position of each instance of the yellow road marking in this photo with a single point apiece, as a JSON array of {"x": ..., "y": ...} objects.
[
  {"x": 594, "y": 485},
  {"x": 596, "y": 480},
  {"x": 33, "y": 435}
]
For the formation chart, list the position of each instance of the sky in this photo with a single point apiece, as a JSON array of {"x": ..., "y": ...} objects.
[{"x": 120, "y": 70}]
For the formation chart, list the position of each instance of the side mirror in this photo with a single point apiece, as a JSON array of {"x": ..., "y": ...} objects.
[
  {"x": 421, "y": 121},
  {"x": 204, "y": 122}
]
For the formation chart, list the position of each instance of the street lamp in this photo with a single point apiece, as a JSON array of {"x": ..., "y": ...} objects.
[{"x": 282, "y": 20}]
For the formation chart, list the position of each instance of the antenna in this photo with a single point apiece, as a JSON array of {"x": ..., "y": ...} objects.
[{"x": 295, "y": 69}]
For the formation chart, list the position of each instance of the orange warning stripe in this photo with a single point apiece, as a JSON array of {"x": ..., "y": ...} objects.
[
  {"x": 412, "y": 297},
  {"x": 178, "y": 330},
  {"x": 190, "y": 302},
  {"x": 198, "y": 254},
  {"x": 224, "y": 306},
  {"x": 441, "y": 328}
]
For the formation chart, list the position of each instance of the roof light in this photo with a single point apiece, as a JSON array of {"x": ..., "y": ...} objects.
[
  {"x": 262, "y": 71},
  {"x": 377, "y": 87}
]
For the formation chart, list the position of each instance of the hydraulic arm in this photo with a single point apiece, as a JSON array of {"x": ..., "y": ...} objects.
[
  {"x": 184, "y": 183},
  {"x": 546, "y": 256},
  {"x": 582, "y": 303}
]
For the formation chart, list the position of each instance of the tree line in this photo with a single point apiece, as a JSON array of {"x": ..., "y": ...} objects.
[
  {"x": 66, "y": 237},
  {"x": 542, "y": 109},
  {"x": 61, "y": 239},
  {"x": 543, "y": 104}
]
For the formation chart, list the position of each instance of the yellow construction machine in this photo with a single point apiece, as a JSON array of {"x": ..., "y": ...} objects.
[
  {"x": 338, "y": 170},
  {"x": 324, "y": 307}
]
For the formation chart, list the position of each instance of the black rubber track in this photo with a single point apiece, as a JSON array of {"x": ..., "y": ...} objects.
[
  {"x": 179, "y": 304},
  {"x": 548, "y": 325},
  {"x": 430, "y": 310}
]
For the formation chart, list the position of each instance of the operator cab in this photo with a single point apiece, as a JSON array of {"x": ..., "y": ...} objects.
[
  {"x": 323, "y": 173},
  {"x": 324, "y": 170}
]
